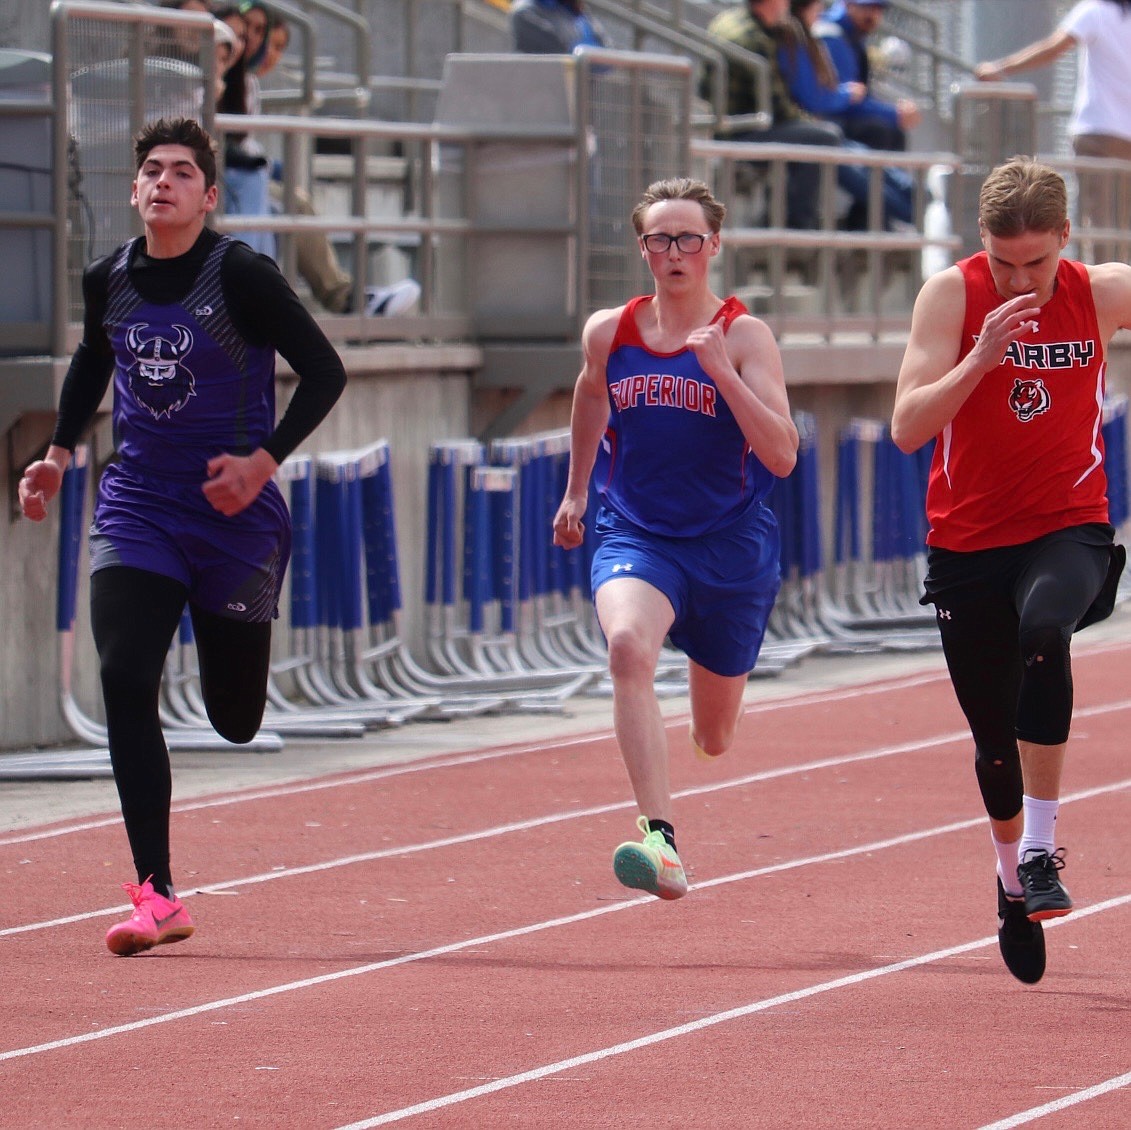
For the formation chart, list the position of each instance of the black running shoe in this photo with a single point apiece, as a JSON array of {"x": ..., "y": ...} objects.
[
  {"x": 1022, "y": 943},
  {"x": 1045, "y": 894}
]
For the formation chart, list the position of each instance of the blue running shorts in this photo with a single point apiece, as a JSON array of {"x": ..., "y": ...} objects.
[
  {"x": 722, "y": 585},
  {"x": 231, "y": 566}
]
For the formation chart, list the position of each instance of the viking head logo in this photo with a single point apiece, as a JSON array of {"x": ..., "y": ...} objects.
[
  {"x": 1029, "y": 398},
  {"x": 159, "y": 379}
]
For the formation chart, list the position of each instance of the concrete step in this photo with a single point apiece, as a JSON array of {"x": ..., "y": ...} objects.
[{"x": 386, "y": 189}]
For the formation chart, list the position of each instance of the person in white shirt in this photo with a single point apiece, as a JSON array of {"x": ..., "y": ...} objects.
[{"x": 1101, "y": 118}]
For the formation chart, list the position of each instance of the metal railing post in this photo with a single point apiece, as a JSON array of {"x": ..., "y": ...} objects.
[{"x": 61, "y": 311}]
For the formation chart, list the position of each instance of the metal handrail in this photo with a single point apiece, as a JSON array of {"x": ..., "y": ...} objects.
[
  {"x": 426, "y": 224},
  {"x": 141, "y": 18},
  {"x": 360, "y": 37},
  {"x": 708, "y": 49},
  {"x": 307, "y": 96}
]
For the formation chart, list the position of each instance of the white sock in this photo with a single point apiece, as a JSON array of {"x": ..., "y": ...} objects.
[
  {"x": 1007, "y": 860},
  {"x": 1040, "y": 826}
]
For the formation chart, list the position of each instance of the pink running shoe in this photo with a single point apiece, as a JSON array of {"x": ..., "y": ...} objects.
[{"x": 156, "y": 921}]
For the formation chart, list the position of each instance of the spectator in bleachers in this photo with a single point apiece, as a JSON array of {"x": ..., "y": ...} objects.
[
  {"x": 172, "y": 43},
  {"x": 554, "y": 27},
  {"x": 812, "y": 80},
  {"x": 687, "y": 548},
  {"x": 278, "y": 40},
  {"x": 230, "y": 15},
  {"x": 756, "y": 26},
  {"x": 246, "y": 176},
  {"x": 1101, "y": 117},
  {"x": 227, "y": 44},
  {"x": 873, "y": 122},
  {"x": 258, "y": 19},
  {"x": 315, "y": 257}
]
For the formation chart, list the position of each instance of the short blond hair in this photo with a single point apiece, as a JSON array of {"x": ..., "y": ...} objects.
[
  {"x": 1022, "y": 196},
  {"x": 680, "y": 188}
]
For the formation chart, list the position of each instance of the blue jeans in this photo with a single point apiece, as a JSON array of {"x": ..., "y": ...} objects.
[
  {"x": 246, "y": 194},
  {"x": 803, "y": 180},
  {"x": 897, "y": 192}
]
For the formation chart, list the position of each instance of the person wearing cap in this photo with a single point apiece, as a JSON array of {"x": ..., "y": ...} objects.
[
  {"x": 554, "y": 27},
  {"x": 756, "y": 26},
  {"x": 872, "y": 121}
]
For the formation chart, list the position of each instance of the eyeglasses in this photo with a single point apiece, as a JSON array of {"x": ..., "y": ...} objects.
[{"x": 687, "y": 242}]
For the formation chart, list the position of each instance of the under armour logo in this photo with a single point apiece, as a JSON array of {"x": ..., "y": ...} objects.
[
  {"x": 944, "y": 614},
  {"x": 626, "y": 567}
]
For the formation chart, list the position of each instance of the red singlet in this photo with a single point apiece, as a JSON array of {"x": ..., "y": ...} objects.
[{"x": 1024, "y": 455}]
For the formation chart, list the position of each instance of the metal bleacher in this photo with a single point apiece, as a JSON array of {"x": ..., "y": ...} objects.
[{"x": 411, "y": 174}]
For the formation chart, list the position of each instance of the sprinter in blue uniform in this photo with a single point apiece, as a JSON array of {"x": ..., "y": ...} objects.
[
  {"x": 680, "y": 414},
  {"x": 187, "y": 323}
]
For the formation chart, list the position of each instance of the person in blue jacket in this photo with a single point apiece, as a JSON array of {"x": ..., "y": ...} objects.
[
  {"x": 554, "y": 27},
  {"x": 870, "y": 120},
  {"x": 812, "y": 80}
]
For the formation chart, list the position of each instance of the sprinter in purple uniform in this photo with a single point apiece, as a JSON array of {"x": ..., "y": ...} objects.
[
  {"x": 681, "y": 415},
  {"x": 187, "y": 323}
]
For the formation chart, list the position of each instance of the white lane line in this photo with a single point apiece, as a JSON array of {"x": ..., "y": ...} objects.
[
  {"x": 533, "y": 928},
  {"x": 545, "y": 821},
  {"x": 452, "y": 760},
  {"x": 1057, "y": 1105},
  {"x": 443, "y": 761},
  {"x": 507, "y": 829},
  {"x": 690, "y": 1028}
]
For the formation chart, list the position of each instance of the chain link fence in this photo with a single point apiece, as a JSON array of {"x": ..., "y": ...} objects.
[{"x": 116, "y": 68}]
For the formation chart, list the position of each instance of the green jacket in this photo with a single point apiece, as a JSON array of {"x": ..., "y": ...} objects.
[{"x": 739, "y": 26}]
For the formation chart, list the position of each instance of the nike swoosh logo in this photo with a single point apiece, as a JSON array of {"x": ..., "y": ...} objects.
[{"x": 160, "y": 922}]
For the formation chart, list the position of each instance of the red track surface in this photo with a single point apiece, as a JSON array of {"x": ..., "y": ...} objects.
[{"x": 444, "y": 943}]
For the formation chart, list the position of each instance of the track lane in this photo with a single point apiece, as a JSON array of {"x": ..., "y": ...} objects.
[{"x": 766, "y": 817}]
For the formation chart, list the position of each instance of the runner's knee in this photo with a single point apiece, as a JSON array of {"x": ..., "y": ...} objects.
[
  {"x": 1044, "y": 706},
  {"x": 713, "y": 736},
  {"x": 630, "y": 657},
  {"x": 999, "y": 779}
]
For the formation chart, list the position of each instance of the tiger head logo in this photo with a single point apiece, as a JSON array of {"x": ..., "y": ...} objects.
[{"x": 1029, "y": 398}]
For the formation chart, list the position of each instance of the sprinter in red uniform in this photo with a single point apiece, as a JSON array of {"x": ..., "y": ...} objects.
[
  {"x": 1005, "y": 370},
  {"x": 681, "y": 405}
]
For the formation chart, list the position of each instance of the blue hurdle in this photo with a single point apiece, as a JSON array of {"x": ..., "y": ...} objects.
[
  {"x": 554, "y": 626},
  {"x": 362, "y": 653},
  {"x": 795, "y": 629},
  {"x": 482, "y": 628},
  {"x": 876, "y": 584},
  {"x": 1115, "y": 452}
]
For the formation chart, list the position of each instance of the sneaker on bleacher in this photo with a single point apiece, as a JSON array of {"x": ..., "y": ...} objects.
[{"x": 398, "y": 298}]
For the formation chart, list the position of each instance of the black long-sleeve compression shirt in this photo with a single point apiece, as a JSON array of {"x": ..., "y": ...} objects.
[{"x": 264, "y": 309}]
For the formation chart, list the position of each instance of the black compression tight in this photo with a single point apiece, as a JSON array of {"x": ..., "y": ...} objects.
[
  {"x": 1009, "y": 659},
  {"x": 134, "y": 614}
]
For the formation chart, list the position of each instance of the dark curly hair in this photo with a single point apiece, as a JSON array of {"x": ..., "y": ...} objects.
[{"x": 178, "y": 131}]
